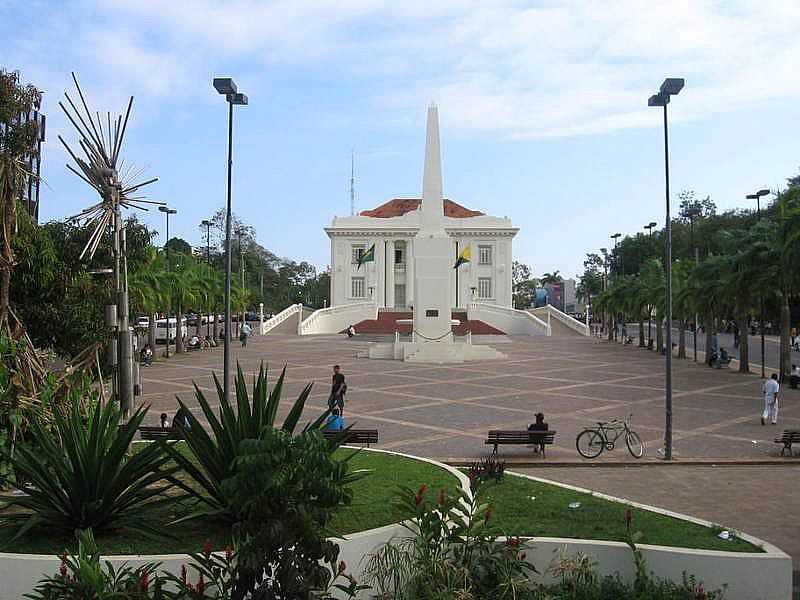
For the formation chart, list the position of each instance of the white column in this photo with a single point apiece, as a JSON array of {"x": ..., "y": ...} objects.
[
  {"x": 389, "y": 266},
  {"x": 409, "y": 271},
  {"x": 378, "y": 273}
]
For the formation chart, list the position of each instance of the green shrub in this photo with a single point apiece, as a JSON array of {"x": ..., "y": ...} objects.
[
  {"x": 214, "y": 452},
  {"x": 79, "y": 474}
]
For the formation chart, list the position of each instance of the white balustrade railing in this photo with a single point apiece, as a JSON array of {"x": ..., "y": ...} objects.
[
  {"x": 336, "y": 318},
  {"x": 276, "y": 320},
  {"x": 564, "y": 318},
  {"x": 508, "y": 320}
]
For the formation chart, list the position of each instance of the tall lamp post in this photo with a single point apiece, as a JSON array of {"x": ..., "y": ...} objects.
[
  {"x": 207, "y": 224},
  {"x": 671, "y": 87},
  {"x": 757, "y": 197},
  {"x": 167, "y": 212},
  {"x": 649, "y": 228},
  {"x": 226, "y": 87},
  {"x": 617, "y": 264}
]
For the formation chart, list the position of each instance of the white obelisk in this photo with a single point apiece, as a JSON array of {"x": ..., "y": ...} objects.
[{"x": 433, "y": 249}]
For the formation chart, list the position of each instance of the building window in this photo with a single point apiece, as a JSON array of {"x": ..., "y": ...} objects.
[
  {"x": 484, "y": 287},
  {"x": 398, "y": 256},
  {"x": 357, "y": 287},
  {"x": 357, "y": 252},
  {"x": 484, "y": 255}
]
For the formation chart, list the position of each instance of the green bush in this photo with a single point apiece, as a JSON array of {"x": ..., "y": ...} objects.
[
  {"x": 214, "y": 452},
  {"x": 79, "y": 474}
]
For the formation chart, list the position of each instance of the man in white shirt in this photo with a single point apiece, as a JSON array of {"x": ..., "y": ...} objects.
[{"x": 770, "y": 390}]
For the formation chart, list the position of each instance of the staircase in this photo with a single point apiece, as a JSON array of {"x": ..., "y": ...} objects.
[{"x": 386, "y": 323}]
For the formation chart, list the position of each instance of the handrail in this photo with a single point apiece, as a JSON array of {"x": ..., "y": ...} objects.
[
  {"x": 570, "y": 322},
  {"x": 306, "y": 324},
  {"x": 511, "y": 312},
  {"x": 276, "y": 320}
]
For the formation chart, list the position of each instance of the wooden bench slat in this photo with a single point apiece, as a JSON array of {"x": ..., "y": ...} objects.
[
  {"x": 354, "y": 436},
  {"x": 497, "y": 437},
  {"x": 788, "y": 437}
]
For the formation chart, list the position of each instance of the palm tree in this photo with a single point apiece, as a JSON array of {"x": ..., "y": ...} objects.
[
  {"x": 184, "y": 290},
  {"x": 18, "y": 139},
  {"x": 553, "y": 277},
  {"x": 148, "y": 289},
  {"x": 241, "y": 299},
  {"x": 653, "y": 283}
]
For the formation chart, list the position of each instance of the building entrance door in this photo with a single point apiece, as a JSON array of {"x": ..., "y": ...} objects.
[{"x": 400, "y": 295}]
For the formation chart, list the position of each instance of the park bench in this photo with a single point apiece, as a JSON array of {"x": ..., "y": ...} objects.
[
  {"x": 721, "y": 361},
  {"x": 353, "y": 436},
  {"x": 788, "y": 438},
  {"x": 160, "y": 433},
  {"x": 536, "y": 438}
]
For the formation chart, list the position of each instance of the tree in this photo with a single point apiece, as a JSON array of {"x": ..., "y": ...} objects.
[
  {"x": 177, "y": 245},
  {"x": 551, "y": 278},
  {"x": 18, "y": 139},
  {"x": 524, "y": 285}
]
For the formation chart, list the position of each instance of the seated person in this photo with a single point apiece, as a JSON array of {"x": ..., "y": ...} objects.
[
  {"x": 723, "y": 355},
  {"x": 794, "y": 377},
  {"x": 194, "y": 342},
  {"x": 539, "y": 425},
  {"x": 351, "y": 331},
  {"x": 335, "y": 421},
  {"x": 146, "y": 356},
  {"x": 164, "y": 421}
]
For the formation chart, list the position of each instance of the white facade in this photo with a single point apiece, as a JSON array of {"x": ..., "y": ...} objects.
[{"x": 389, "y": 280}]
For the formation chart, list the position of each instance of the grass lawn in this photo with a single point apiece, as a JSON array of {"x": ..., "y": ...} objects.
[
  {"x": 529, "y": 508},
  {"x": 372, "y": 507}
]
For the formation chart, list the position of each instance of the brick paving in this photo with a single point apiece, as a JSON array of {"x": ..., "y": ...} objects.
[{"x": 444, "y": 411}]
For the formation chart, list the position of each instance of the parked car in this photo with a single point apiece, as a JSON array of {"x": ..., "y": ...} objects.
[
  {"x": 161, "y": 330},
  {"x": 142, "y": 322}
]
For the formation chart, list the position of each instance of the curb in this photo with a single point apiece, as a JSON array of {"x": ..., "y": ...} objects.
[{"x": 786, "y": 462}]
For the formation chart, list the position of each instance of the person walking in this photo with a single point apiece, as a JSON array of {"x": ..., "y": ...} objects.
[
  {"x": 338, "y": 390},
  {"x": 771, "y": 389},
  {"x": 244, "y": 333}
]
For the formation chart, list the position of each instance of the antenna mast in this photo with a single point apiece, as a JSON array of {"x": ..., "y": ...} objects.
[{"x": 352, "y": 184}]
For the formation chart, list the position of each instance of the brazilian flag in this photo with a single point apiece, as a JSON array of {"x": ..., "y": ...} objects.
[
  {"x": 464, "y": 257},
  {"x": 368, "y": 256}
]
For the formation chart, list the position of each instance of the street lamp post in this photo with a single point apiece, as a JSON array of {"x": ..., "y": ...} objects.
[
  {"x": 167, "y": 212},
  {"x": 617, "y": 264},
  {"x": 757, "y": 197},
  {"x": 207, "y": 224},
  {"x": 671, "y": 87},
  {"x": 649, "y": 228},
  {"x": 226, "y": 87}
]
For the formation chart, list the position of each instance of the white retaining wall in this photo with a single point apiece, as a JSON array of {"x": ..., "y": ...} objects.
[
  {"x": 508, "y": 320},
  {"x": 549, "y": 311},
  {"x": 282, "y": 316},
  {"x": 337, "y": 318},
  {"x": 750, "y": 576}
]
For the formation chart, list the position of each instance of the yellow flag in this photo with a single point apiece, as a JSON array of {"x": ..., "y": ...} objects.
[{"x": 464, "y": 257}]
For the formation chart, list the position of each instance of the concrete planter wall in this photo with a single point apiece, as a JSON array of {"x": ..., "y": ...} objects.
[{"x": 750, "y": 576}]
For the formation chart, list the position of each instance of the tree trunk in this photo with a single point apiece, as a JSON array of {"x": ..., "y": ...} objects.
[
  {"x": 5, "y": 293},
  {"x": 198, "y": 326},
  {"x": 641, "y": 332},
  {"x": 744, "y": 344},
  {"x": 151, "y": 332},
  {"x": 682, "y": 339},
  {"x": 611, "y": 330},
  {"x": 786, "y": 352},
  {"x": 179, "y": 349}
]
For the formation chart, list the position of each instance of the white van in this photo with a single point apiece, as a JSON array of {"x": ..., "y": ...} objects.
[{"x": 161, "y": 330}]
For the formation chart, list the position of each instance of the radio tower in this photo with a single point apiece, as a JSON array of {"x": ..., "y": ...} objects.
[{"x": 352, "y": 184}]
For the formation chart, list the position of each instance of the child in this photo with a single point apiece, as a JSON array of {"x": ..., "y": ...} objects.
[{"x": 164, "y": 421}]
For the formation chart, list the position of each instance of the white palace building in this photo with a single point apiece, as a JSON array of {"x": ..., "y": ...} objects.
[{"x": 389, "y": 279}]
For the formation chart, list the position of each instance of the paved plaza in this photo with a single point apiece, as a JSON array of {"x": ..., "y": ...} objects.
[{"x": 444, "y": 411}]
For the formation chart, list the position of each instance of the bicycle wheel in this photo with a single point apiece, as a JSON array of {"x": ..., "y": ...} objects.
[
  {"x": 589, "y": 443},
  {"x": 635, "y": 444}
]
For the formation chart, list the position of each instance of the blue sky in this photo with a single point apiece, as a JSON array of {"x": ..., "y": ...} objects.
[{"x": 542, "y": 106}]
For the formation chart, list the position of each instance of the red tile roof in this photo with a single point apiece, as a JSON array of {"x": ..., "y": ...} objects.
[{"x": 400, "y": 206}]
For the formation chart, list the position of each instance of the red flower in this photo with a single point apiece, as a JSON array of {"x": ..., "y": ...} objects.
[
  {"x": 207, "y": 549},
  {"x": 144, "y": 581},
  {"x": 512, "y": 542},
  {"x": 63, "y": 568},
  {"x": 442, "y": 497},
  {"x": 228, "y": 552},
  {"x": 420, "y": 494}
]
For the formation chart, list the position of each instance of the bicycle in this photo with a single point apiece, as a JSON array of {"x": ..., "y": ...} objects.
[{"x": 592, "y": 441}]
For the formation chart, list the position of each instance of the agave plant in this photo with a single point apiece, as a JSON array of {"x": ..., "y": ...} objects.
[
  {"x": 81, "y": 475},
  {"x": 214, "y": 452}
]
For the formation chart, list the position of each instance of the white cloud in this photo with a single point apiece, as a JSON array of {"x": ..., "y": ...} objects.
[{"x": 517, "y": 70}]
